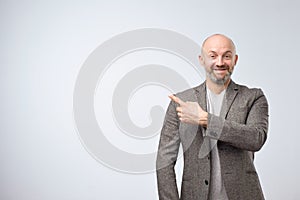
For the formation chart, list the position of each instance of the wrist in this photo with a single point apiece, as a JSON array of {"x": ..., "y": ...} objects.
[{"x": 203, "y": 119}]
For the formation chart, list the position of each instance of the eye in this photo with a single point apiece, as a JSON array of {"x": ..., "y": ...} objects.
[{"x": 228, "y": 56}]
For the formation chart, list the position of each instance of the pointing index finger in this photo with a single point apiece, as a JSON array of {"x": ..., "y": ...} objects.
[{"x": 176, "y": 99}]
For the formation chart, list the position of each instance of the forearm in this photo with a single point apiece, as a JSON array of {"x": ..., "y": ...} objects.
[
  {"x": 249, "y": 134},
  {"x": 166, "y": 182},
  {"x": 165, "y": 163},
  {"x": 167, "y": 155},
  {"x": 249, "y": 137}
]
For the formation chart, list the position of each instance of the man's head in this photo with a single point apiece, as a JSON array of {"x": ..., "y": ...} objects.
[{"x": 218, "y": 57}]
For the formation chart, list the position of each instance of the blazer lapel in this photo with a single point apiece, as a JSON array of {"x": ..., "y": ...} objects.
[
  {"x": 230, "y": 95},
  {"x": 231, "y": 92},
  {"x": 201, "y": 95}
]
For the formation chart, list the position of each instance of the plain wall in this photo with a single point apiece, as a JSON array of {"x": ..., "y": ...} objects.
[{"x": 43, "y": 47}]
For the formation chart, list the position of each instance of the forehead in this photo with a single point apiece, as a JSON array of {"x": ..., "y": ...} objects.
[{"x": 218, "y": 43}]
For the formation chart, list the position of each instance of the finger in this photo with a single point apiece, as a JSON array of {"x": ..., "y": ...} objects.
[
  {"x": 179, "y": 114},
  {"x": 176, "y": 99},
  {"x": 184, "y": 120},
  {"x": 178, "y": 109}
]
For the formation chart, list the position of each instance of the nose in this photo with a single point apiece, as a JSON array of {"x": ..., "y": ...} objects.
[{"x": 219, "y": 61}]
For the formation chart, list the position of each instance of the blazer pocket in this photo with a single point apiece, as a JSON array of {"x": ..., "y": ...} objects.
[
  {"x": 251, "y": 172},
  {"x": 189, "y": 177}
]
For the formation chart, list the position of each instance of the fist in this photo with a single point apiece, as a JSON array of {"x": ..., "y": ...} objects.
[{"x": 190, "y": 112}]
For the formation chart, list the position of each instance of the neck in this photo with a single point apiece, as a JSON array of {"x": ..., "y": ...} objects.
[{"x": 216, "y": 88}]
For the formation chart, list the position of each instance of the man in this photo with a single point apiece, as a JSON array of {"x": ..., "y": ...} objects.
[{"x": 220, "y": 125}]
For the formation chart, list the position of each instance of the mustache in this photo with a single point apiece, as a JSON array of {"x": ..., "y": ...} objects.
[{"x": 226, "y": 67}]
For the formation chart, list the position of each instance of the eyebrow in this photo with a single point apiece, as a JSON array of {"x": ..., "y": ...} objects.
[{"x": 229, "y": 51}]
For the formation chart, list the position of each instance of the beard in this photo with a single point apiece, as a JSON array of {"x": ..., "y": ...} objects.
[{"x": 218, "y": 81}]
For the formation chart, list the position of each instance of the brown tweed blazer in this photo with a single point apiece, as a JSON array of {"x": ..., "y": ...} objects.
[{"x": 241, "y": 130}]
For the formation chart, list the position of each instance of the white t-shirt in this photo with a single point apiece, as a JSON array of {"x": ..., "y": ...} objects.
[{"x": 216, "y": 190}]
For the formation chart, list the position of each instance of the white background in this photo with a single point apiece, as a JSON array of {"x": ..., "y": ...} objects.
[{"x": 43, "y": 45}]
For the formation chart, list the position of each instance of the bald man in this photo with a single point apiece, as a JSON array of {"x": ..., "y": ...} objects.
[{"x": 220, "y": 126}]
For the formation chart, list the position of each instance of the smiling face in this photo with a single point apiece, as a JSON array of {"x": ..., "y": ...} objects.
[{"x": 218, "y": 58}]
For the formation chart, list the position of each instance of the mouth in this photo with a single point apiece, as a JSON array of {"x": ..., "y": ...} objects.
[
  {"x": 222, "y": 68},
  {"x": 220, "y": 71}
]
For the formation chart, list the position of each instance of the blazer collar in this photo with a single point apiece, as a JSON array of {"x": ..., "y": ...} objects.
[
  {"x": 231, "y": 92},
  {"x": 201, "y": 95}
]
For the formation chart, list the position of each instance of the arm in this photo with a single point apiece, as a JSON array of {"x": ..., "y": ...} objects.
[
  {"x": 250, "y": 136},
  {"x": 167, "y": 155}
]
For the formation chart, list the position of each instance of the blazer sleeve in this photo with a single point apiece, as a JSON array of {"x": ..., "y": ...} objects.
[
  {"x": 250, "y": 136},
  {"x": 167, "y": 155}
]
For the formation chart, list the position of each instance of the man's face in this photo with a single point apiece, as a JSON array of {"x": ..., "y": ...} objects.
[{"x": 218, "y": 58}]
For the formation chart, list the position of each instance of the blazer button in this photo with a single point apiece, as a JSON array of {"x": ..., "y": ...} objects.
[
  {"x": 214, "y": 134},
  {"x": 206, "y": 182}
]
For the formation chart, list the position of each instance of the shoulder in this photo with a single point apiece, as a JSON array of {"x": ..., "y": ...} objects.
[
  {"x": 191, "y": 93},
  {"x": 248, "y": 92}
]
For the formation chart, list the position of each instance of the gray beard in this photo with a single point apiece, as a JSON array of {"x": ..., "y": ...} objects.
[{"x": 219, "y": 81}]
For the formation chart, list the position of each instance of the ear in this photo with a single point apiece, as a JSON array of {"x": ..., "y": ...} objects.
[
  {"x": 201, "y": 60},
  {"x": 236, "y": 59}
]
